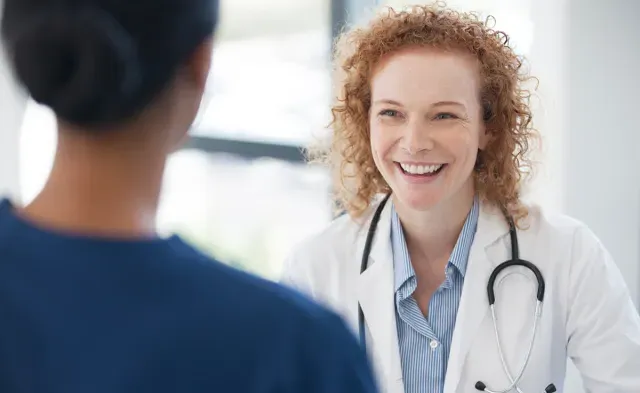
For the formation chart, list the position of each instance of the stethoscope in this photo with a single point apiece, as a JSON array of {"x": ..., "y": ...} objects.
[{"x": 514, "y": 261}]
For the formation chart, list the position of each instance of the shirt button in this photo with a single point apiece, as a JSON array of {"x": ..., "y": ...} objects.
[{"x": 433, "y": 344}]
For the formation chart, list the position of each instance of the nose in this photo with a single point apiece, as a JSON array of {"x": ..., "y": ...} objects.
[{"x": 416, "y": 138}]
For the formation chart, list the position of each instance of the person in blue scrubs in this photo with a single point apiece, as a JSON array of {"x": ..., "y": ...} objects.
[{"x": 91, "y": 298}]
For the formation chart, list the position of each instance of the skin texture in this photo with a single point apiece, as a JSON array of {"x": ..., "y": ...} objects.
[{"x": 426, "y": 110}]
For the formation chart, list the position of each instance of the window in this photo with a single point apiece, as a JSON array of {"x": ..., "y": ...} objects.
[
  {"x": 249, "y": 213},
  {"x": 270, "y": 79},
  {"x": 240, "y": 190}
]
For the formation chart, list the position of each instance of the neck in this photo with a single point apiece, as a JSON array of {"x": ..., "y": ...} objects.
[
  {"x": 431, "y": 235},
  {"x": 100, "y": 189}
]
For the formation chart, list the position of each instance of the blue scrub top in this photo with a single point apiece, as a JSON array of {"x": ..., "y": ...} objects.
[{"x": 80, "y": 314}]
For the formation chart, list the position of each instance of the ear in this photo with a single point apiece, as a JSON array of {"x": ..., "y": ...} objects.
[
  {"x": 191, "y": 86},
  {"x": 199, "y": 64}
]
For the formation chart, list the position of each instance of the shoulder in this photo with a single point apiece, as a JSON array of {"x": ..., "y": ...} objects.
[
  {"x": 326, "y": 255},
  {"x": 571, "y": 257},
  {"x": 546, "y": 225},
  {"x": 334, "y": 240},
  {"x": 564, "y": 243},
  {"x": 343, "y": 230}
]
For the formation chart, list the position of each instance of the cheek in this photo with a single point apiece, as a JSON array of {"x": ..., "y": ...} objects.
[
  {"x": 381, "y": 140},
  {"x": 463, "y": 146},
  {"x": 381, "y": 146},
  {"x": 377, "y": 143}
]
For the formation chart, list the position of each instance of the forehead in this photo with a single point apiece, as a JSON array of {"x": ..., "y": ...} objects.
[{"x": 426, "y": 74}]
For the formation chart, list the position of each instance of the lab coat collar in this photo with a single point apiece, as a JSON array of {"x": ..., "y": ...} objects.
[{"x": 376, "y": 295}]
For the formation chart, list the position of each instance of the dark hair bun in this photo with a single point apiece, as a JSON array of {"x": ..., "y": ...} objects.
[{"x": 82, "y": 64}]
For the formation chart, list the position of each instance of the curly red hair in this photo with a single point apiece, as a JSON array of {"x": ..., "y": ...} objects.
[{"x": 505, "y": 101}]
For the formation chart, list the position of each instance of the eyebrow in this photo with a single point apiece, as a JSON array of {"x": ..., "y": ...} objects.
[
  {"x": 437, "y": 104},
  {"x": 449, "y": 103},
  {"x": 387, "y": 101}
]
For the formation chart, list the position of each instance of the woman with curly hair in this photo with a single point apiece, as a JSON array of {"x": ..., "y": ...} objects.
[{"x": 431, "y": 143}]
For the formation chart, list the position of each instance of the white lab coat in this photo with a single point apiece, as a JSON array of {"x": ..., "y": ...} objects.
[{"x": 587, "y": 314}]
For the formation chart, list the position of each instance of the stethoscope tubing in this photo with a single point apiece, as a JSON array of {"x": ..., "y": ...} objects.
[{"x": 514, "y": 261}]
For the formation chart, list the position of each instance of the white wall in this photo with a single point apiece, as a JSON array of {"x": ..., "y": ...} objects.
[
  {"x": 587, "y": 54},
  {"x": 603, "y": 161},
  {"x": 547, "y": 59},
  {"x": 12, "y": 104}
]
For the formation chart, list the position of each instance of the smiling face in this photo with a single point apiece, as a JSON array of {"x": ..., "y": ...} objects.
[{"x": 426, "y": 125}]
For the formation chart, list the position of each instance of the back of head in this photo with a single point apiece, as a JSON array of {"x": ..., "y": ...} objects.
[{"x": 100, "y": 62}]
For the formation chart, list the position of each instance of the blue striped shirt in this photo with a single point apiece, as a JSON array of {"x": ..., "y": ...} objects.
[{"x": 425, "y": 342}]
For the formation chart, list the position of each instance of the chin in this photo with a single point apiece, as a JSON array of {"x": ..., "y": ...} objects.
[{"x": 417, "y": 201}]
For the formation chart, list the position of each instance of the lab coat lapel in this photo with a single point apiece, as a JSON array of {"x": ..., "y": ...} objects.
[
  {"x": 376, "y": 297},
  {"x": 485, "y": 254}
]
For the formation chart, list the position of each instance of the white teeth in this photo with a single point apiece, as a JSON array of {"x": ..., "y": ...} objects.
[{"x": 420, "y": 169}]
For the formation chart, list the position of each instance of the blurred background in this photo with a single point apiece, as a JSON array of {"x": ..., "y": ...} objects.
[{"x": 241, "y": 191}]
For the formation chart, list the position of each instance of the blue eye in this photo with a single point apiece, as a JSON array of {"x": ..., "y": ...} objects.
[
  {"x": 445, "y": 116},
  {"x": 389, "y": 113}
]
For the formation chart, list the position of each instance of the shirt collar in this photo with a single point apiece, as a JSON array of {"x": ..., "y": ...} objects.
[{"x": 403, "y": 270}]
